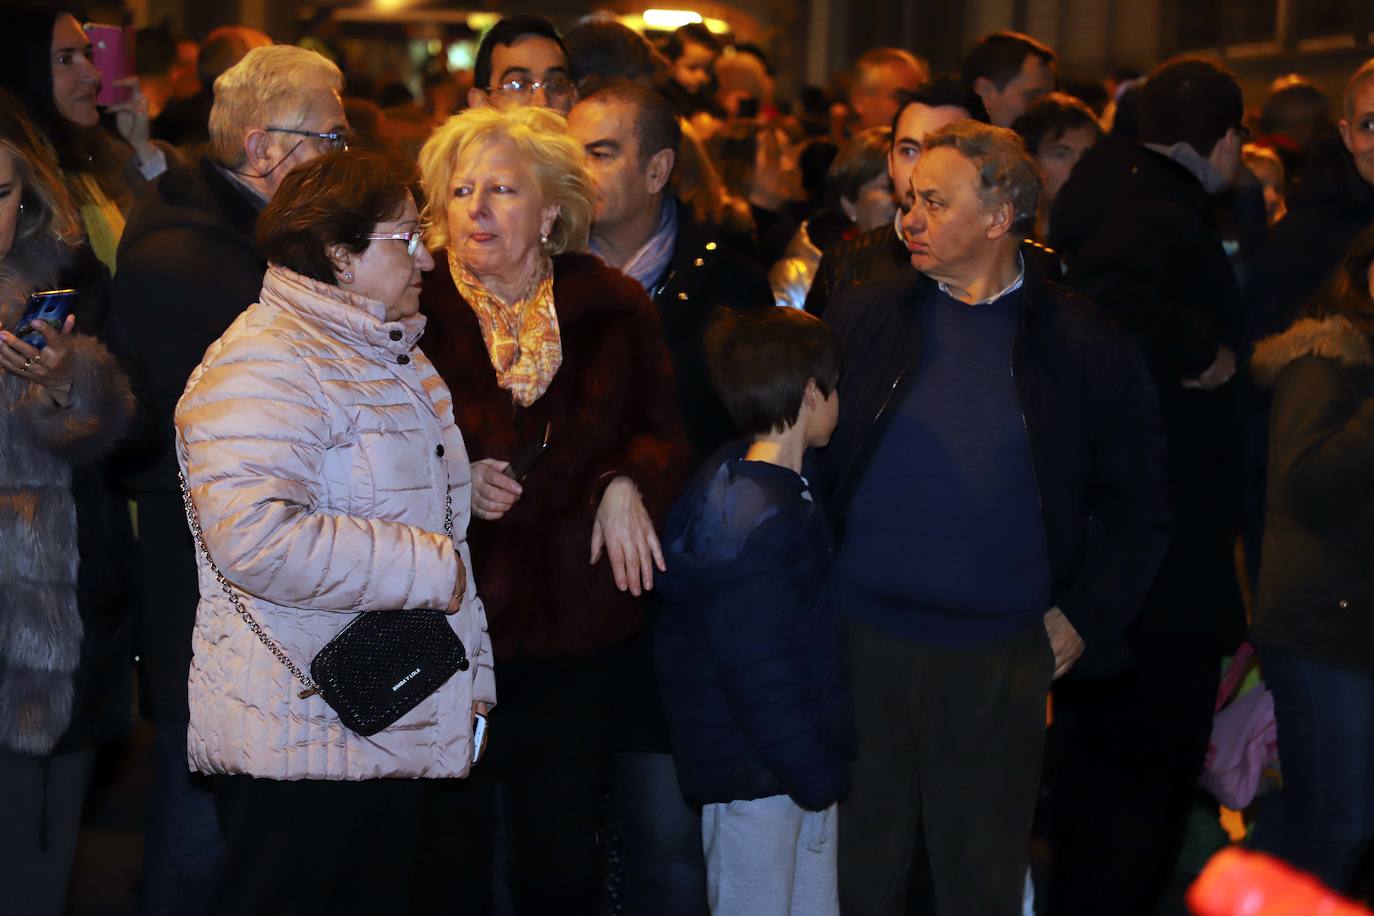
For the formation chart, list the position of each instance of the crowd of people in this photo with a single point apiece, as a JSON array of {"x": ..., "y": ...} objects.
[{"x": 820, "y": 497}]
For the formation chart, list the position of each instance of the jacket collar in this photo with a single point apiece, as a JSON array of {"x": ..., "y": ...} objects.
[
  {"x": 356, "y": 320},
  {"x": 691, "y": 238},
  {"x": 238, "y": 206},
  {"x": 1332, "y": 338},
  {"x": 912, "y": 288},
  {"x": 1010, "y": 288},
  {"x": 1198, "y": 165},
  {"x": 648, "y": 265},
  {"x": 693, "y": 251}
]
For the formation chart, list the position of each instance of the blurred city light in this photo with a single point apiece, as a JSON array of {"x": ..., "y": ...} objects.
[{"x": 667, "y": 20}]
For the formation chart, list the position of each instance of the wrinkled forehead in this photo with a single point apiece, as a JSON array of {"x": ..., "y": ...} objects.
[
  {"x": 946, "y": 170},
  {"x": 494, "y": 157}
]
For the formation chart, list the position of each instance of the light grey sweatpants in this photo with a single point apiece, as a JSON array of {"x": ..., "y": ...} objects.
[{"x": 769, "y": 856}]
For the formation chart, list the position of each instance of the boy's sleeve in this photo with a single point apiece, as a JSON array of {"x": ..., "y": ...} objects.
[{"x": 751, "y": 631}]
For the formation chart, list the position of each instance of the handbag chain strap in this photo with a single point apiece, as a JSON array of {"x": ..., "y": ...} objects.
[{"x": 193, "y": 519}]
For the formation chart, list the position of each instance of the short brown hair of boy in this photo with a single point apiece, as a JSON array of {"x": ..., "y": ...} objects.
[
  {"x": 337, "y": 199},
  {"x": 761, "y": 361}
]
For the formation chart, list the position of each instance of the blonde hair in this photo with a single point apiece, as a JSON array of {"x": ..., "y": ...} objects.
[
  {"x": 49, "y": 216},
  {"x": 270, "y": 84},
  {"x": 541, "y": 140}
]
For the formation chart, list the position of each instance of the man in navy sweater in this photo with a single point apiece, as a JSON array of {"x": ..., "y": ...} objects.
[{"x": 997, "y": 479}]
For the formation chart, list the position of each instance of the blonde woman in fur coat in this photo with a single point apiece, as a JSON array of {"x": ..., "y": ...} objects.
[{"x": 63, "y": 407}]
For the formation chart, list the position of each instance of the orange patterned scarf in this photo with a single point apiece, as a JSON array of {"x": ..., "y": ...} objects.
[{"x": 522, "y": 338}]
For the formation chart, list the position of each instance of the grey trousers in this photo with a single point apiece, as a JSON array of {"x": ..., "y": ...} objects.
[
  {"x": 769, "y": 857},
  {"x": 41, "y": 800}
]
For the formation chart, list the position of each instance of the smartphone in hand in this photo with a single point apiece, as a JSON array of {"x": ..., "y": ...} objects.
[
  {"x": 112, "y": 52},
  {"x": 52, "y": 306},
  {"x": 479, "y": 736}
]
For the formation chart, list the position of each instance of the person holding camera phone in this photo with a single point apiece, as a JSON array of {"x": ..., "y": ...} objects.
[
  {"x": 64, "y": 660},
  {"x": 47, "y": 61}
]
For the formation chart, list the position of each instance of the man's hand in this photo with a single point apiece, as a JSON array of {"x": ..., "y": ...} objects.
[
  {"x": 494, "y": 493},
  {"x": 624, "y": 528},
  {"x": 1064, "y": 640},
  {"x": 1217, "y": 374}
]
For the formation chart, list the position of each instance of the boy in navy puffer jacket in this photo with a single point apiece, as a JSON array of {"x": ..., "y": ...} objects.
[{"x": 750, "y": 652}]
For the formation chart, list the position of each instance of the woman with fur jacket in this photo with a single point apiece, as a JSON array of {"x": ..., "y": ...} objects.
[
  {"x": 64, "y": 405},
  {"x": 1314, "y": 620}
]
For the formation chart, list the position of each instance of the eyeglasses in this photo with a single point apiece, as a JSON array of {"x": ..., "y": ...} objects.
[
  {"x": 335, "y": 139},
  {"x": 556, "y": 86},
  {"x": 412, "y": 239}
]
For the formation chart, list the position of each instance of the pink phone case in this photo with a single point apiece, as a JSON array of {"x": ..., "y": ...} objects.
[{"x": 112, "y": 52}]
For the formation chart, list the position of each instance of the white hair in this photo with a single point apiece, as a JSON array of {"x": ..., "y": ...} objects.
[{"x": 269, "y": 85}]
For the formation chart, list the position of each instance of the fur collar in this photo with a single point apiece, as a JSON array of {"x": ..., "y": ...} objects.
[{"x": 1331, "y": 338}]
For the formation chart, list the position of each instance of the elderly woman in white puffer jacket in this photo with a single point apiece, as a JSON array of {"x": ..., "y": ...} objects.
[{"x": 319, "y": 445}]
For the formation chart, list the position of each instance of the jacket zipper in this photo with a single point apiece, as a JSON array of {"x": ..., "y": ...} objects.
[
  {"x": 882, "y": 409},
  {"x": 1025, "y": 426}
]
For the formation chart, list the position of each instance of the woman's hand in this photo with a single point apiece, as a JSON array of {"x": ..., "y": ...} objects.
[
  {"x": 624, "y": 528},
  {"x": 493, "y": 493},
  {"x": 50, "y": 367},
  {"x": 460, "y": 586},
  {"x": 131, "y": 119}
]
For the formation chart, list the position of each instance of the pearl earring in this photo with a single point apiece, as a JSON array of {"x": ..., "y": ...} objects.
[
  {"x": 543, "y": 238},
  {"x": 348, "y": 276}
]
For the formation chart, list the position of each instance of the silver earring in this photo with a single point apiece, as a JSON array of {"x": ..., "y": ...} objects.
[
  {"x": 348, "y": 276},
  {"x": 21, "y": 206},
  {"x": 544, "y": 238}
]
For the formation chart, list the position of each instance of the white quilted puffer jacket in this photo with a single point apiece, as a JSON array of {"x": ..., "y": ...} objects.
[{"x": 318, "y": 443}]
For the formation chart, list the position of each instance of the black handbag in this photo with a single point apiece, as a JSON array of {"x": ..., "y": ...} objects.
[{"x": 379, "y": 667}]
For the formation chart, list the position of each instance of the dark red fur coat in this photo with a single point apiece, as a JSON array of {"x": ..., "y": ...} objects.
[{"x": 614, "y": 411}]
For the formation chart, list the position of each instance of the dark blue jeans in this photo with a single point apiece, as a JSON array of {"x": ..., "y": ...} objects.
[
  {"x": 1325, "y": 718},
  {"x": 660, "y": 834},
  {"x": 185, "y": 845}
]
